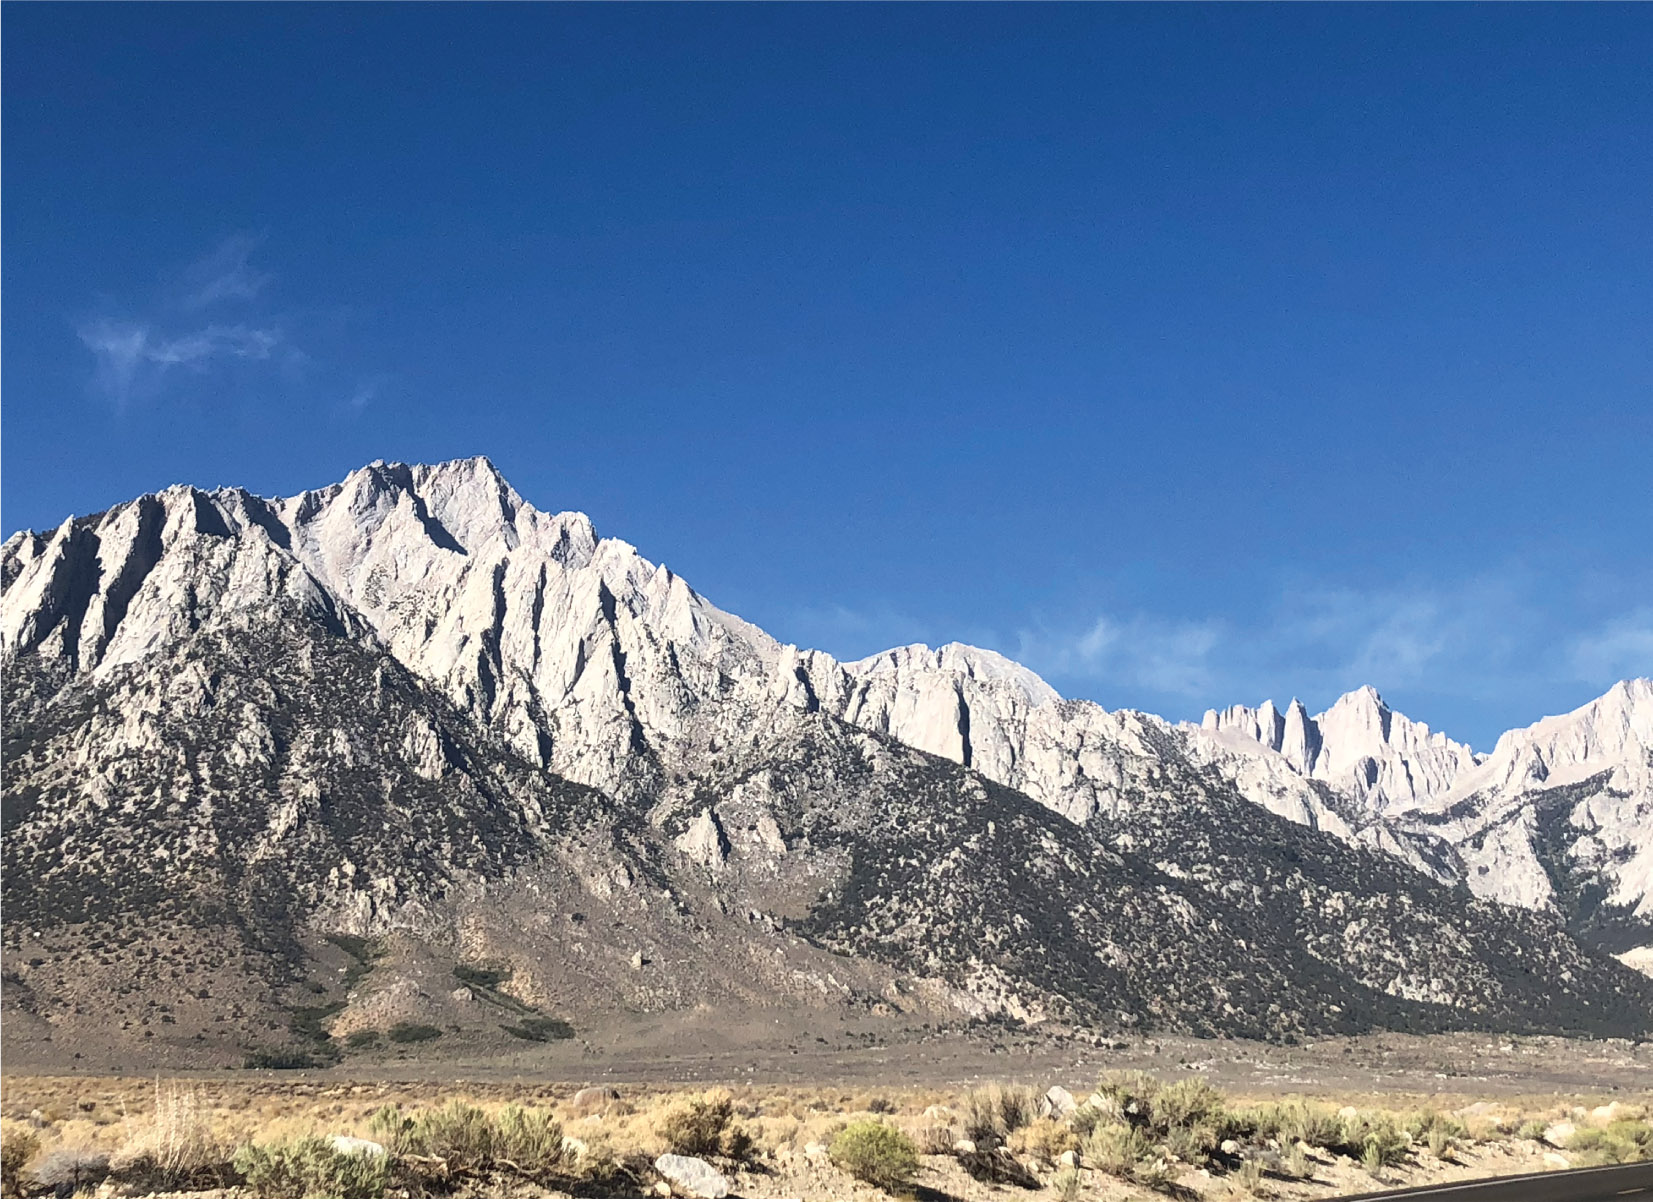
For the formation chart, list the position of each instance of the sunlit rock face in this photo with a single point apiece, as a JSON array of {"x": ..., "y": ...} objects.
[{"x": 418, "y": 651}]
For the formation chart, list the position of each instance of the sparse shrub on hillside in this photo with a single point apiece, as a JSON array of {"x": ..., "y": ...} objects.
[
  {"x": 412, "y": 1033},
  {"x": 1532, "y": 1129},
  {"x": 705, "y": 1127},
  {"x": 363, "y": 1039},
  {"x": 281, "y": 1058},
  {"x": 17, "y": 1145},
  {"x": 539, "y": 1029},
  {"x": 876, "y": 1153},
  {"x": 310, "y": 1168}
]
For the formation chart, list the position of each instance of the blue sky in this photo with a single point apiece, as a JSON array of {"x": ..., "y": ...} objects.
[{"x": 1191, "y": 355}]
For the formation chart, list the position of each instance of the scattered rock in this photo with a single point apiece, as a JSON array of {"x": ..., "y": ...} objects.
[
  {"x": 349, "y": 1145},
  {"x": 463, "y": 994},
  {"x": 1059, "y": 1102},
  {"x": 1230, "y": 1147},
  {"x": 1557, "y": 1134},
  {"x": 1068, "y": 1159},
  {"x": 1555, "y": 1160},
  {"x": 965, "y": 1147},
  {"x": 594, "y": 1099},
  {"x": 577, "y": 1148},
  {"x": 1347, "y": 1112},
  {"x": 692, "y": 1177},
  {"x": 638, "y": 959},
  {"x": 815, "y": 1151},
  {"x": 1612, "y": 1112}
]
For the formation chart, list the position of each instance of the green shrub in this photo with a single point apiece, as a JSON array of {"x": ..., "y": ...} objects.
[
  {"x": 1189, "y": 1104},
  {"x": 365, "y": 1038},
  {"x": 1620, "y": 1142},
  {"x": 1117, "y": 1150},
  {"x": 1532, "y": 1129},
  {"x": 281, "y": 1058},
  {"x": 1069, "y": 1185},
  {"x": 531, "y": 1140},
  {"x": 706, "y": 1127},
  {"x": 878, "y": 1154},
  {"x": 1251, "y": 1179},
  {"x": 476, "y": 974},
  {"x": 413, "y": 1033},
  {"x": 310, "y": 1168}
]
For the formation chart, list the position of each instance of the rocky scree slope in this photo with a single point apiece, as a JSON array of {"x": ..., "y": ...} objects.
[{"x": 370, "y": 710}]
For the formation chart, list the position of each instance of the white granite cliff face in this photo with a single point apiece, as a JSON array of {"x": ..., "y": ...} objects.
[
  {"x": 1362, "y": 748},
  {"x": 1570, "y": 793},
  {"x": 613, "y": 672}
]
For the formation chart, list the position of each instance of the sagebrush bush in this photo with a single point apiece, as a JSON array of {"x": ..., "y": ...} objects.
[
  {"x": 1117, "y": 1150},
  {"x": 706, "y": 1127},
  {"x": 1249, "y": 1178},
  {"x": 1044, "y": 1139},
  {"x": 876, "y": 1153},
  {"x": 1619, "y": 1142},
  {"x": 310, "y": 1168},
  {"x": 17, "y": 1145},
  {"x": 460, "y": 1140}
]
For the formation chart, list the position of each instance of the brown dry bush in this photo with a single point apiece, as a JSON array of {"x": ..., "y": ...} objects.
[{"x": 705, "y": 1126}]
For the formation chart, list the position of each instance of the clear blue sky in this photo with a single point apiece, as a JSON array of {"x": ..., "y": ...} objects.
[{"x": 1192, "y": 355}]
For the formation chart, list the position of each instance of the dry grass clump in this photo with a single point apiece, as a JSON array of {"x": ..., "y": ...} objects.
[
  {"x": 990, "y": 1115},
  {"x": 175, "y": 1147},
  {"x": 705, "y": 1126},
  {"x": 1044, "y": 1140}
]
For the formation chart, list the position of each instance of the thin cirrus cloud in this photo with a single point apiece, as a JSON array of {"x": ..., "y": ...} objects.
[
  {"x": 187, "y": 330},
  {"x": 224, "y": 275},
  {"x": 131, "y": 360},
  {"x": 1488, "y": 640}
]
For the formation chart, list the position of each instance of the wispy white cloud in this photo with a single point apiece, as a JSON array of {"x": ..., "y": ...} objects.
[
  {"x": 1165, "y": 655},
  {"x": 204, "y": 318},
  {"x": 224, "y": 275},
  {"x": 131, "y": 358}
]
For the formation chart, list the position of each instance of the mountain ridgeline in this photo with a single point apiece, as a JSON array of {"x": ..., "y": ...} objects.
[{"x": 382, "y": 730}]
